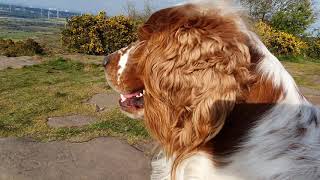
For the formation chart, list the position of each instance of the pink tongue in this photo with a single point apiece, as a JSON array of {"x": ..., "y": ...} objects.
[{"x": 131, "y": 95}]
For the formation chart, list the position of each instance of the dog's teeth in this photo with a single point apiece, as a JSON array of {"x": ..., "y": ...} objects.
[
  {"x": 143, "y": 91},
  {"x": 122, "y": 98}
]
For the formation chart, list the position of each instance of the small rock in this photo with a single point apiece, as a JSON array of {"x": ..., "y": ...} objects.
[{"x": 70, "y": 121}]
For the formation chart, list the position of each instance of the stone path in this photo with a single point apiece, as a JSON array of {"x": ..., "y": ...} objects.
[
  {"x": 70, "y": 121},
  {"x": 17, "y": 62},
  {"x": 100, "y": 159}
]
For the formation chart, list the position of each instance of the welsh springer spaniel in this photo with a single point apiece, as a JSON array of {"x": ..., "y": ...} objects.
[{"x": 221, "y": 106}]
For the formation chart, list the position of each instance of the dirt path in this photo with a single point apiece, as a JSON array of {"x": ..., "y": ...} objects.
[
  {"x": 311, "y": 94},
  {"x": 18, "y": 62}
]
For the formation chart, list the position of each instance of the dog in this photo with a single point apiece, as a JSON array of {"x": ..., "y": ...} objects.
[{"x": 219, "y": 103}]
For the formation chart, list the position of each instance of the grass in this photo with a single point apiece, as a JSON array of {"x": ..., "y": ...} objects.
[
  {"x": 305, "y": 70},
  {"x": 305, "y": 73},
  {"x": 298, "y": 59},
  {"x": 20, "y": 35},
  {"x": 29, "y": 96}
]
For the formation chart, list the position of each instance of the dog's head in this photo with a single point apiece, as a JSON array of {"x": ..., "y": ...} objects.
[{"x": 184, "y": 74}]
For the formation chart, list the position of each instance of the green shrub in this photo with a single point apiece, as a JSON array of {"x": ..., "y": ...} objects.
[
  {"x": 27, "y": 47},
  {"x": 295, "y": 19},
  {"x": 98, "y": 34},
  {"x": 314, "y": 47}
]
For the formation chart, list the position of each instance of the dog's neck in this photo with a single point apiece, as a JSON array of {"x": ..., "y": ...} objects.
[{"x": 261, "y": 98}]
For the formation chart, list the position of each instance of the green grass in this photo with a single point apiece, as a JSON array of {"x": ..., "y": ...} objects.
[
  {"x": 298, "y": 59},
  {"x": 305, "y": 73},
  {"x": 29, "y": 96},
  {"x": 22, "y": 35}
]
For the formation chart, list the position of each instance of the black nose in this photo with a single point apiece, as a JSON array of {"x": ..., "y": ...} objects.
[{"x": 105, "y": 61}]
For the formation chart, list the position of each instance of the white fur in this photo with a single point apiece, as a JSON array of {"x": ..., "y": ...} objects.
[
  {"x": 197, "y": 167},
  {"x": 122, "y": 64},
  {"x": 161, "y": 167}
]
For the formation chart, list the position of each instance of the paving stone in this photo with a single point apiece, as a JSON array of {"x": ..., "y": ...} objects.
[
  {"x": 70, "y": 121},
  {"x": 100, "y": 159}
]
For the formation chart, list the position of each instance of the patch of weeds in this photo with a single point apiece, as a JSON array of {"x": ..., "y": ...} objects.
[{"x": 61, "y": 94}]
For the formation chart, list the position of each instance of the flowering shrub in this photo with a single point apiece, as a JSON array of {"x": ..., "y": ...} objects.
[
  {"x": 281, "y": 43},
  {"x": 28, "y": 47},
  {"x": 98, "y": 34}
]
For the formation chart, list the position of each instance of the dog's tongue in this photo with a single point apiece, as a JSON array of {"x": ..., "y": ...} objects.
[{"x": 127, "y": 96}]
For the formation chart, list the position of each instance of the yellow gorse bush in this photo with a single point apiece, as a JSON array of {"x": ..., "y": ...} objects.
[
  {"x": 281, "y": 43},
  {"x": 99, "y": 34},
  {"x": 28, "y": 47}
]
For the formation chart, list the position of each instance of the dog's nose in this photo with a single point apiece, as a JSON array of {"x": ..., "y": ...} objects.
[{"x": 105, "y": 61}]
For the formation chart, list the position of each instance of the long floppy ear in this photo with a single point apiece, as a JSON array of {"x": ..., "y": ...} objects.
[{"x": 193, "y": 79}]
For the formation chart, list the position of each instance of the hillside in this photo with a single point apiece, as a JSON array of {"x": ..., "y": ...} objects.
[{"x": 7, "y": 10}]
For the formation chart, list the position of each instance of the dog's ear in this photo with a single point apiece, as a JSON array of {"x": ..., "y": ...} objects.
[{"x": 194, "y": 77}]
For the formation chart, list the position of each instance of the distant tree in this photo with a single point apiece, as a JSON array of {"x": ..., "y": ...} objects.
[
  {"x": 131, "y": 9},
  {"x": 265, "y": 9},
  {"x": 133, "y": 12},
  {"x": 148, "y": 9},
  {"x": 295, "y": 18},
  {"x": 258, "y": 9}
]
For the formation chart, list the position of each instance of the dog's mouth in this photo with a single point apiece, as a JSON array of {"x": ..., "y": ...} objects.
[{"x": 132, "y": 101}]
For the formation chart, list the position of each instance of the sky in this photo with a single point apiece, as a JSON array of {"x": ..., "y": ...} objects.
[{"x": 112, "y": 7}]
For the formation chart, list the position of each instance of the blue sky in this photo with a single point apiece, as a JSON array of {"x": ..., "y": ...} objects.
[
  {"x": 112, "y": 7},
  {"x": 92, "y": 6}
]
